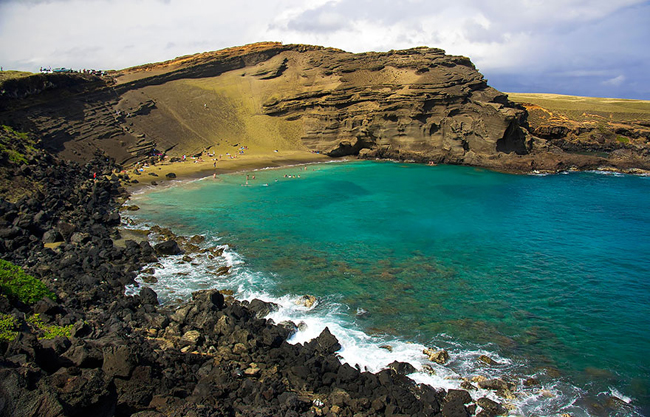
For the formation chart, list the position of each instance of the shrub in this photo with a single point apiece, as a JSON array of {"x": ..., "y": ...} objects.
[
  {"x": 51, "y": 331},
  {"x": 7, "y": 328},
  {"x": 17, "y": 284},
  {"x": 622, "y": 139}
]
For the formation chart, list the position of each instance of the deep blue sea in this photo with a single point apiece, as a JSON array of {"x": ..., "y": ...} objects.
[{"x": 547, "y": 275}]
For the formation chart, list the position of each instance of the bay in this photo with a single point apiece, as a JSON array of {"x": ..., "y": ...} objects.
[{"x": 549, "y": 275}]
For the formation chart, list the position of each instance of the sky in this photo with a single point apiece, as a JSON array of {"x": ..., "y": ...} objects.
[{"x": 598, "y": 48}]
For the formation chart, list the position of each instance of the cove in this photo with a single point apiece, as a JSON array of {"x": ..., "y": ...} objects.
[{"x": 550, "y": 275}]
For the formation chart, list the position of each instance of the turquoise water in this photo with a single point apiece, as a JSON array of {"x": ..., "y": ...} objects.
[{"x": 550, "y": 273}]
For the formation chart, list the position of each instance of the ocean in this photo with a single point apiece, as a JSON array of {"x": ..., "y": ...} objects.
[{"x": 547, "y": 275}]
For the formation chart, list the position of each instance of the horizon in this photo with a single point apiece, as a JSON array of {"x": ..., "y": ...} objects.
[{"x": 572, "y": 48}]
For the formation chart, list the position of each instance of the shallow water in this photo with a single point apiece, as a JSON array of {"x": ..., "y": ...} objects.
[{"x": 549, "y": 275}]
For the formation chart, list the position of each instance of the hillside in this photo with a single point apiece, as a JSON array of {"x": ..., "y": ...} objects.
[
  {"x": 418, "y": 104},
  {"x": 603, "y": 126}
]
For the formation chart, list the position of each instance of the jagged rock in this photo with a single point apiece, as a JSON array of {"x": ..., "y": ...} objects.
[
  {"x": 402, "y": 368},
  {"x": 192, "y": 337},
  {"x": 488, "y": 360},
  {"x": 454, "y": 403},
  {"x": 262, "y": 308},
  {"x": 168, "y": 247},
  {"x": 325, "y": 343},
  {"x": 437, "y": 356},
  {"x": 496, "y": 384},
  {"x": 531, "y": 382},
  {"x": 222, "y": 270},
  {"x": 118, "y": 361},
  {"x": 307, "y": 301},
  {"x": 492, "y": 407},
  {"x": 52, "y": 236},
  {"x": 148, "y": 296}
]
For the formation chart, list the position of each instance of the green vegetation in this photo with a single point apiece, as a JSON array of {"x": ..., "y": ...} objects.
[
  {"x": 15, "y": 146},
  {"x": 622, "y": 139},
  {"x": 49, "y": 331},
  {"x": 588, "y": 108},
  {"x": 8, "y": 75},
  {"x": 17, "y": 284},
  {"x": 7, "y": 328}
]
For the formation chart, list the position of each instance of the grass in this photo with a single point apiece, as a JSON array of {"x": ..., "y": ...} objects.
[
  {"x": 18, "y": 285},
  {"x": 8, "y": 75},
  {"x": 588, "y": 108},
  {"x": 15, "y": 146}
]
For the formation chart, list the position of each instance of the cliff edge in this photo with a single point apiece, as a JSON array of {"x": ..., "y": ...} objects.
[{"x": 417, "y": 104}]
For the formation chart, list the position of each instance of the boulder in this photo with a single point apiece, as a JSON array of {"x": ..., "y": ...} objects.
[
  {"x": 325, "y": 343},
  {"x": 170, "y": 175},
  {"x": 192, "y": 338},
  {"x": 496, "y": 384},
  {"x": 148, "y": 296},
  {"x": 168, "y": 247},
  {"x": 437, "y": 356},
  {"x": 118, "y": 361},
  {"x": 492, "y": 407},
  {"x": 307, "y": 301},
  {"x": 52, "y": 236},
  {"x": 402, "y": 368},
  {"x": 488, "y": 360},
  {"x": 79, "y": 238},
  {"x": 262, "y": 308}
]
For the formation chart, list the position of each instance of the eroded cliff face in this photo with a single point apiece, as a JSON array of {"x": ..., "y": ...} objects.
[
  {"x": 415, "y": 104},
  {"x": 418, "y": 104}
]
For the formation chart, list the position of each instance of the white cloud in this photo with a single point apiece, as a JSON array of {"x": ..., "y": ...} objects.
[
  {"x": 616, "y": 81},
  {"x": 501, "y": 36}
]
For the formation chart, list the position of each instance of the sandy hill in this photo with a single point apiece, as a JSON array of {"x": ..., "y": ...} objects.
[{"x": 418, "y": 104}]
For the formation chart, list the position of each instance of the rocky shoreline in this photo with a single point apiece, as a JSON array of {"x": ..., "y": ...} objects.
[{"x": 122, "y": 355}]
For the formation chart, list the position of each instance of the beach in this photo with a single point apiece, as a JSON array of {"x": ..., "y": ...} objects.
[{"x": 194, "y": 168}]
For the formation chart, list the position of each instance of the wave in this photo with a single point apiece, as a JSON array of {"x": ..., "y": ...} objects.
[{"x": 174, "y": 278}]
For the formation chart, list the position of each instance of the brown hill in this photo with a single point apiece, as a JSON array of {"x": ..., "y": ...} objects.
[
  {"x": 594, "y": 125},
  {"x": 418, "y": 104}
]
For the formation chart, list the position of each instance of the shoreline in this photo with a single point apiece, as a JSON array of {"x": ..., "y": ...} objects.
[
  {"x": 213, "y": 353},
  {"x": 193, "y": 170},
  {"x": 281, "y": 317}
]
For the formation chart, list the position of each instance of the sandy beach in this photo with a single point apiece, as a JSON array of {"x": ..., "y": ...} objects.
[{"x": 205, "y": 166}]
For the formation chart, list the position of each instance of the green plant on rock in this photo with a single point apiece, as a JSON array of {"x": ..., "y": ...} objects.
[
  {"x": 622, "y": 139},
  {"x": 7, "y": 328},
  {"x": 15, "y": 146},
  {"x": 49, "y": 331},
  {"x": 17, "y": 284}
]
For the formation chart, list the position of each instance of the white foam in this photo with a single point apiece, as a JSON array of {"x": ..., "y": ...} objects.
[
  {"x": 178, "y": 279},
  {"x": 616, "y": 393}
]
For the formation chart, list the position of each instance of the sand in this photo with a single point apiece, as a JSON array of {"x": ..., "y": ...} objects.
[{"x": 192, "y": 169}]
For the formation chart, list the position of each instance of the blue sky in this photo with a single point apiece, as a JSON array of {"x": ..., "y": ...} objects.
[{"x": 580, "y": 47}]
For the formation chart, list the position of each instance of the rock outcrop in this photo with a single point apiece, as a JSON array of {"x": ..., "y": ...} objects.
[
  {"x": 414, "y": 105},
  {"x": 417, "y": 104}
]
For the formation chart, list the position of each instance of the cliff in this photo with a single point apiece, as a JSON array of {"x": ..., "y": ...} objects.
[{"x": 418, "y": 104}]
